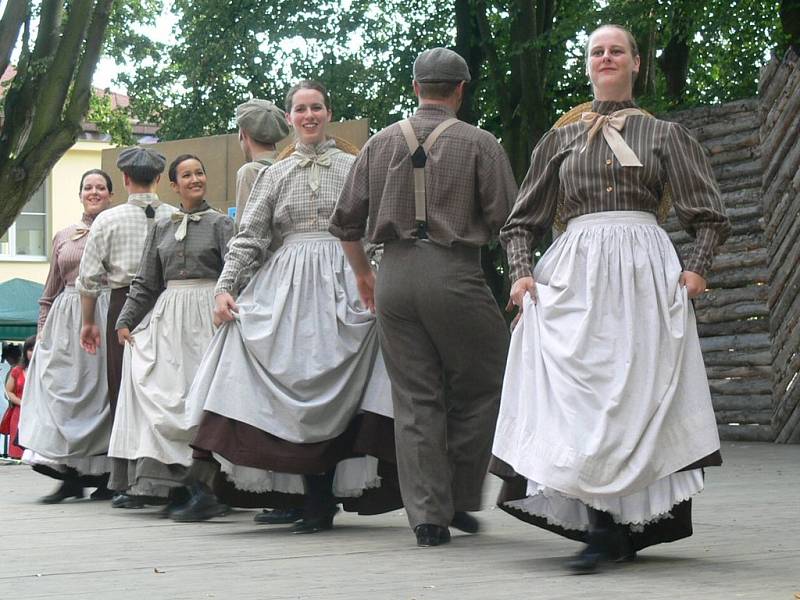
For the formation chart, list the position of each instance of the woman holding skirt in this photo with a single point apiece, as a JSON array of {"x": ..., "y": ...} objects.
[
  {"x": 66, "y": 420},
  {"x": 296, "y": 396},
  {"x": 606, "y": 416},
  {"x": 166, "y": 324}
]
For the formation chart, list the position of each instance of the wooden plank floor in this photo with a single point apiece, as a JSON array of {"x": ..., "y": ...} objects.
[{"x": 746, "y": 545}]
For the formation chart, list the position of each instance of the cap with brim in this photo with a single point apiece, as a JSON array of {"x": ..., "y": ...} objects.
[
  {"x": 262, "y": 120},
  {"x": 144, "y": 162},
  {"x": 440, "y": 65}
]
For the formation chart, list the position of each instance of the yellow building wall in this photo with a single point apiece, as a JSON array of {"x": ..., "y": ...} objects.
[{"x": 63, "y": 204}]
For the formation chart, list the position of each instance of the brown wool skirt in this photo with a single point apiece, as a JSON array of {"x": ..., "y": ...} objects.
[
  {"x": 242, "y": 444},
  {"x": 114, "y": 350},
  {"x": 677, "y": 527}
]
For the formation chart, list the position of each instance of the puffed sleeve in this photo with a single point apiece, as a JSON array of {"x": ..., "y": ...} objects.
[
  {"x": 695, "y": 196},
  {"x": 535, "y": 208},
  {"x": 54, "y": 284},
  {"x": 349, "y": 219},
  {"x": 224, "y": 231},
  {"x": 148, "y": 283},
  {"x": 249, "y": 248}
]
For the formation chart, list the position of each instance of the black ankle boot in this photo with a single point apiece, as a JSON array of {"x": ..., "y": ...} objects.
[
  {"x": 320, "y": 506},
  {"x": 607, "y": 542},
  {"x": 69, "y": 488}
]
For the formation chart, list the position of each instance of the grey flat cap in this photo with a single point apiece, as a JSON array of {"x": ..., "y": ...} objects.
[
  {"x": 440, "y": 64},
  {"x": 141, "y": 163},
  {"x": 262, "y": 120}
]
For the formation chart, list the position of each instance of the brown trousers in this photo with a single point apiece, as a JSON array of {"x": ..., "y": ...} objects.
[
  {"x": 114, "y": 350},
  {"x": 445, "y": 343}
]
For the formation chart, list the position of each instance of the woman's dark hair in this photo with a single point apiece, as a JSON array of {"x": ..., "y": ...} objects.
[
  {"x": 12, "y": 353},
  {"x": 307, "y": 84},
  {"x": 28, "y": 345},
  {"x": 105, "y": 176},
  {"x": 173, "y": 166}
]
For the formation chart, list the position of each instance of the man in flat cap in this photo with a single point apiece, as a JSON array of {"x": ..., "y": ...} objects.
[
  {"x": 261, "y": 126},
  {"x": 434, "y": 190},
  {"x": 113, "y": 253}
]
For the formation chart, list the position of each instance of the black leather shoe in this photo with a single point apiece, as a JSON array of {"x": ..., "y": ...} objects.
[
  {"x": 68, "y": 489},
  {"x": 127, "y": 501},
  {"x": 431, "y": 535},
  {"x": 279, "y": 516},
  {"x": 202, "y": 506},
  {"x": 465, "y": 522},
  {"x": 102, "y": 493},
  {"x": 314, "y": 525}
]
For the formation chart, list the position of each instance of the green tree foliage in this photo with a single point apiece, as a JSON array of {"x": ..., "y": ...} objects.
[
  {"x": 526, "y": 57},
  {"x": 116, "y": 122},
  {"x": 56, "y": 46}
]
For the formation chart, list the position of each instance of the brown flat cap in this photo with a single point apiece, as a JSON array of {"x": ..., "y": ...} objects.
[
  {"x": 262, "y": 120},
  {"x": 144, "y": 163},
  {"x": 440, "y": 64}
]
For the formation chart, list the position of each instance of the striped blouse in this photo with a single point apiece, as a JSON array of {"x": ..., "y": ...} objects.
[
  {"x": 594, "y": 181},
  {"x": 64, "y": 264}
]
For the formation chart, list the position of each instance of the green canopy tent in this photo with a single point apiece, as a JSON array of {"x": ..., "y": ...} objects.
[{"x": 19, "y": 309}]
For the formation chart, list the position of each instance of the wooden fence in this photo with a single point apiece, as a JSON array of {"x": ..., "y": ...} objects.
[
  {"x": 780, "y": 151},
  {"x": 733, "y": 317},
  {"x": 749, "y": 321}
]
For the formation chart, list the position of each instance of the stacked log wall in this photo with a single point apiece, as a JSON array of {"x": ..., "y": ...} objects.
[
  {"x": 733, "y": 316},
  {"x": 779, "y": 91}
]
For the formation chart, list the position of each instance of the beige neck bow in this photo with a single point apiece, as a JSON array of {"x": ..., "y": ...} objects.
[
  {"x": 314, "y": 162},
  {"x": 611, "y": 125},
  {"x": 184, "y": 218},
  {"x": 80, "y": 231}
]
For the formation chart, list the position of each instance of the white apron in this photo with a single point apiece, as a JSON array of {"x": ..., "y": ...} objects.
[
  {"x": 153, "y": 419},
  {"x": 605, "y": 395}
]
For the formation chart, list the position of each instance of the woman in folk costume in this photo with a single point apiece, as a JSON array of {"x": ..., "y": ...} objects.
[
  {"x": 606, "y": 417},
  {"x": 66, "y": 419},
  {"x": 166, "y": 324},
  {"x": 297, "y": 399}
]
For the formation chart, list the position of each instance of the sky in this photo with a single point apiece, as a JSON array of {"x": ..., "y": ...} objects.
[{"x": 107, "y": 69}]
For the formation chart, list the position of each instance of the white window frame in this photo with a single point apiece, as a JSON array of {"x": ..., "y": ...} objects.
[{"x": 12, "y": 233}]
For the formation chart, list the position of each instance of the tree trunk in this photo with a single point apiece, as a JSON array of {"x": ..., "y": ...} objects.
[
  {"x": 674, "y": 60},
  {"x": 45, "y": 105}
]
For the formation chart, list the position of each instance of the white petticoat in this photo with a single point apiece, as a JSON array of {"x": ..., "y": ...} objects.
[{"x": 605, "y": 395}]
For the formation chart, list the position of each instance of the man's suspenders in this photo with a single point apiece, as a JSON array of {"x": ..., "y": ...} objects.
[{"x": 419, "y": 156}]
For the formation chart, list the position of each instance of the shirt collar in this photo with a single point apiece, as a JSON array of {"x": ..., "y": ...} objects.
[
  {"x": 144, "y": 200},
  {"x": 88, "y": 219},
  {"x": 606, "y": 107},
  {"x": 203, "y": 206},
  {"x": 269, "y": 154},
  {"x": 312, "y": 149},
  {"x": 435, "y": 109}
]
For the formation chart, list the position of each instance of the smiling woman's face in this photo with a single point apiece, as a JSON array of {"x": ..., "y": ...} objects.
[
  {"x": 95, "y": 196},
  {"x": 190, "y": 181},
  {"x": 309, "y": 116},
  {"x": 611, "y": 64}
]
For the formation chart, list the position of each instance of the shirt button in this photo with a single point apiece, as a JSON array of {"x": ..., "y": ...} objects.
[
  {"x": 609, "y": 189},
  {"x": 608, "y": 161}
]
